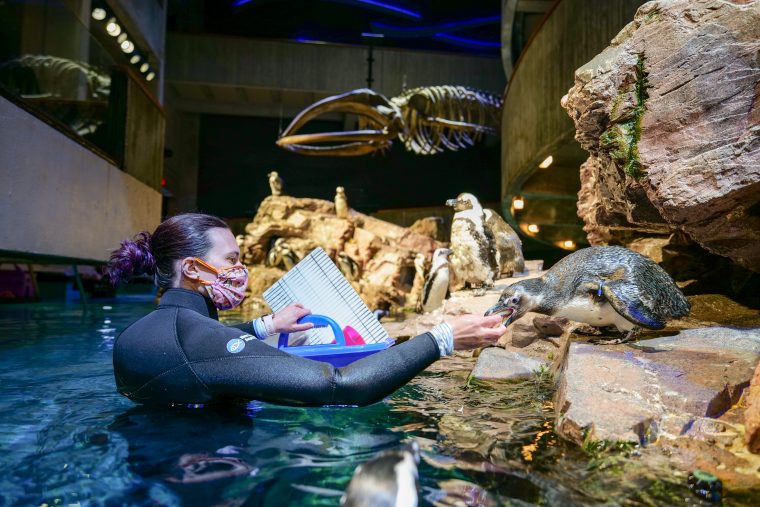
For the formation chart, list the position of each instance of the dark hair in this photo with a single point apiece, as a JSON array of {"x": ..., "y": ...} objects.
[{"x": 175, "y": 238}]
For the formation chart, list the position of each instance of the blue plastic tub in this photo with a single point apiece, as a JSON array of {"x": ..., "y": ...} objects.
[{"x": 338, "y": 354}]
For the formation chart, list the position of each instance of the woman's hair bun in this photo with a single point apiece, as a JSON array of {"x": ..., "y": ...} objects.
[{"x": 133, "y": 257}]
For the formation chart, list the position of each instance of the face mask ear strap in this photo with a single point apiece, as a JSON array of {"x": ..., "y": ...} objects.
[{"x": 206, "y": 265}]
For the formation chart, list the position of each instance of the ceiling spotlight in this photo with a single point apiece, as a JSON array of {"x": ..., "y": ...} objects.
[
  {"x": 127, "y": 46},
  {"x": 113, "y": 27},
  {"x": 533, "y": 228},
  {"x": 569, "y": 244},
  {"x": 144, "y": 67},
  {"x": 135, "y": 58},
  {"x": 547, "y": 162},
  {"x": 518, "y": 202},
  {"x": 150, "y": 76},
  {"x": 99, "y": 14},
  {"x": 121, "y": 38}
]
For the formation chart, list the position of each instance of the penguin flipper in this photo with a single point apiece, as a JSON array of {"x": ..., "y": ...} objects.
[{"x": 627, "y": 303}]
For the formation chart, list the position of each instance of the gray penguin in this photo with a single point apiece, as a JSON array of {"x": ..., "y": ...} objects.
[
  {"x": 473, "y": 259},
  {"x": 280, "y": 255},
  {"x": 506, "y": 243},
  {"x": 390, "y": 479},
  {"x": 601, "y": 286},
  {"x": 436, "y": 286}
]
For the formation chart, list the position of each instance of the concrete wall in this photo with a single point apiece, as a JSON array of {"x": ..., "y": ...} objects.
[
  {"x": 534, "y": 124},
  {"x": 59, "y": 198},
  {"x": 327, "y": 68}
]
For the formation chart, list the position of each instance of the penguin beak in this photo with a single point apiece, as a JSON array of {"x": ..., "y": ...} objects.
[
  {"x": 501, "y": 309},
  {"x": 451, "y": 202}
]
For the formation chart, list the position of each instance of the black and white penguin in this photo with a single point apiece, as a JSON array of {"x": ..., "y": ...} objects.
[
  {"x": 601, "y": 286},
  {"x": 341, "y": 203},
  {"x": 472, "y": 259},
  {"x": 348, "y": 267},
  {"x": 390, "y": 479},
  {"x": 281, "y": 256},
  {"x": 275, "y": 183},
  {"x": 506, "y": 243},
  {"x": 436, "y": 287}
]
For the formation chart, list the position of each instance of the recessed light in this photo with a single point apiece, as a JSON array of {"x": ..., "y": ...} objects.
[
  {"x": 135, "y": 58},
  {"x": 127, "y": 46},
  {"x": 150, "y": 76},
  {"x": 144, "y": 67},
  {"x": 99, "y": 14},
  {"x": 547, "y": 162},
  {"x": 518, "y": 202},
  {"x": 113, "y": 27},
  {"x": 533, "y": 228}
]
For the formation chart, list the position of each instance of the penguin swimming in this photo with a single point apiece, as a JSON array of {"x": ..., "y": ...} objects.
[
  {"x": 275, "y": 183},
  {"x": 437, "y": 282},
  {"x": 341, "y": 203},
  {"x": 506, "y": 243},
  {"x": 601, "y": 286},
  {"x": 473, "y": 259},
  {"x": 390, "y": 479}
]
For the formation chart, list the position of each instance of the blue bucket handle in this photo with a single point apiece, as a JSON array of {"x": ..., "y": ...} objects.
[{"x": 318, "y": 321}]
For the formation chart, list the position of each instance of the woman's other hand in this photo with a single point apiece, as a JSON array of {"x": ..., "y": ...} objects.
[
  {"x": 286, "y": 320},
  {"x": 472, "y": 331}
]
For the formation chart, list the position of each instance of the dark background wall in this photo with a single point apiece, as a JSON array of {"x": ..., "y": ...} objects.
[{"x": 236, "y": 154}]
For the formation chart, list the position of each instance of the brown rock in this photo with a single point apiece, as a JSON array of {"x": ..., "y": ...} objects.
[
  {"x": 670, "y": 114},
  {"x": 630, "y": 392},
  {"x": 428, "y": 226},
  {"x": 550, "y": 326},
  {"x": 752, "y": 414}
]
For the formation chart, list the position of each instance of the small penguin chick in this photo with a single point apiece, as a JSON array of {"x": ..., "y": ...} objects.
[{"x": 390, "y": 479}]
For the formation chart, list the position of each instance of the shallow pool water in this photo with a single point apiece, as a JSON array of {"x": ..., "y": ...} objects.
[{"x": 67, "y": 438}]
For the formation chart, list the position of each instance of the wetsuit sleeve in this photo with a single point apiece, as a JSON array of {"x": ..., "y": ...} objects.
[{"x": 264, "y": 373}]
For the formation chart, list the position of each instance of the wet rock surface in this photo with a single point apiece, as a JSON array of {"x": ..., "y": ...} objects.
[
  {"x": 637, "y": 392},
  {"x": 670, "y": 116},
  {"x": 497, "y": 363},
  {"x": 752, "y": 414}
]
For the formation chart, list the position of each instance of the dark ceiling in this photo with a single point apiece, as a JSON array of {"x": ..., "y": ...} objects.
[{"x": 436, "y": 25}]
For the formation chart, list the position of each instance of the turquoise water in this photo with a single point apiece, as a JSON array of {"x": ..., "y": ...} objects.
[{"x": 67, "y": 438}]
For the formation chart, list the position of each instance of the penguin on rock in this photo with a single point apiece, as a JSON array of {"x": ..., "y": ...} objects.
[
  {"x": 390, "y": 479},
  {"x": 341, "y": 203},
  {"x": 281, "y": 255},
  {"x": 601, "y": 286},
  {"x": 275, "y": 183},
  {"x": 473, "y": 259},
  {"x": 436, "y": 287},
  {"x": 506, "y": 243},
  {"x": 348, "y": 267}
]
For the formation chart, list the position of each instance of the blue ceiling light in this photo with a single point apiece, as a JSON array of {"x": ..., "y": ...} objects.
[
  {"x": 428, "y": 31},
  {"x": 238, "y": 3},
  {"x": 466, "y": 42},
  {"x": 396, "y": 9}
]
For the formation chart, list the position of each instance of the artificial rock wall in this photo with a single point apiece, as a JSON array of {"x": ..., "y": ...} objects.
[{"x": 670, "y": 115}]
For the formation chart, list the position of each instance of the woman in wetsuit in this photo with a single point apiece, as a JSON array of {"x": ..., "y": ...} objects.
[{"x": 181, "y": 353}]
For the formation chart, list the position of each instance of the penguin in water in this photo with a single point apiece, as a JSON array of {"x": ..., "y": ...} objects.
[
  {"x": 506, "y": 243},
  {"x": 275, "y": 183},
  {"x": 390, "y": 479},
  {"x": 341, "y": 203},
  {"x": 473, "y": 259},
  {"x": 348, "y": 267},
  {"x": 601, "y": 286},
  {"x": 436, "y": 287}
]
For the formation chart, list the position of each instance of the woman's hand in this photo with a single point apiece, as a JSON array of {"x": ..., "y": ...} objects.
[
  {"x": 472, "y": 331},
  {"x": 286, "y": 320}
]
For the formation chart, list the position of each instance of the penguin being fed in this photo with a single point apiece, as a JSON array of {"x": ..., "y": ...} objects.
[
  {"x": 473, "y": 259},
  {"x": 601, "y": 286},
  {"x": 506, "y": 243},
  {"x": 390, "y": 479},
  {"x": 437, "y": 282}
]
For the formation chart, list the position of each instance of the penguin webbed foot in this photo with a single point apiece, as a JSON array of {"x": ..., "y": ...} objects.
[{"x": 480, "y": 291}]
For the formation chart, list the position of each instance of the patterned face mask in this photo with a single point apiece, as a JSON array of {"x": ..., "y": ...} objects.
[{"x": 228, "y": 290}]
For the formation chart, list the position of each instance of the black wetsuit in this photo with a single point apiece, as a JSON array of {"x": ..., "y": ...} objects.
[{"x": 179, "y": 354}]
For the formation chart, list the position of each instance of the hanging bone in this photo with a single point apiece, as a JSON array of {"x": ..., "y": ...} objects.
[{"x": 428, "y": 120}]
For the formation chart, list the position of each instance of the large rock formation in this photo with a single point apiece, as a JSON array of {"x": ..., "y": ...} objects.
[
  {"x": 381, "y": 253},
  {"x": 670, "y": 114}
]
